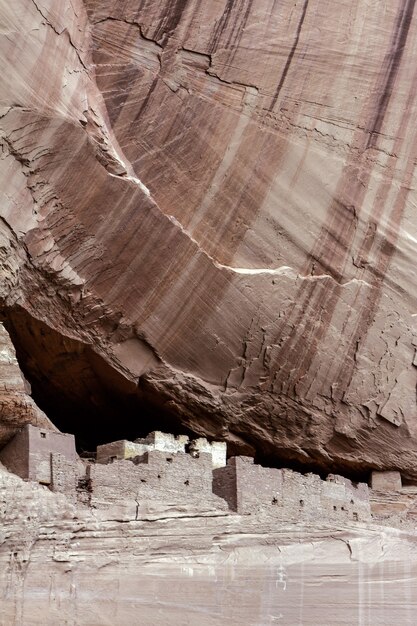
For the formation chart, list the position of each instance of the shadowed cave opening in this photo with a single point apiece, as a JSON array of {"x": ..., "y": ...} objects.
[
  {"x": 82, "y": 394},
  {"x": 282, "y": 460}
]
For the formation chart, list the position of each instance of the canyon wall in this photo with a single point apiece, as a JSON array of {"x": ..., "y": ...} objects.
[
  {"x": 208, "y": 212},
  {"x": 207, "y": 221}
]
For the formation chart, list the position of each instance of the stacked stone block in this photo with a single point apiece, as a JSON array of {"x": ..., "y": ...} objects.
[
  {"x": 64, "y": 475},
  {"x": 288, "y": 495},
  {"x": 164, "y": 468},
  {"x": 217, "y": 449},
  {"x": 29, "y": 453},
  {"x": 156, "y": 475},
  {"x": 163, "y": 442}
]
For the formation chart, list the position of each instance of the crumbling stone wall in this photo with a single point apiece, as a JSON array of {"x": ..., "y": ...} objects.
[
  {"x": 175, "y": 476},
  {"x": 245, "y": 486},
  {"x": 393, "y": 503},
  {"x": 217, "y": 449},
  {"x": 64, "y": 475},
  {"x": 343, "y": 499},
  {"x": 119, "y": 450},
  {"x": 386, "y": 481},
  {"x": 153, "y": 476},
  {"x": 288, "y": 495},
  {"x": 224, "y": 485},
  {"x": 15, "y": 455},
  {"x": 164, "y": 442}
]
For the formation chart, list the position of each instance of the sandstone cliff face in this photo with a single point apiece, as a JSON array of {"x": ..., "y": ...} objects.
[
  {"x": 208, "y": 211},
  {"x": 16, "y": 406}
]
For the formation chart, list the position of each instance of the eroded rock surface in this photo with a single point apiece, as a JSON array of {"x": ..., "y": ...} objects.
[
  {"x": 209, "y": 207},
  {"x": 16, "y": 406}
]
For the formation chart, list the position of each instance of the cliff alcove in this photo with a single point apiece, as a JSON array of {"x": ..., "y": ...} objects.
[
  {"x": 79, "y": 391},
  {"x": 208, "y": 227},
  {"x": 83, "y": 395}
]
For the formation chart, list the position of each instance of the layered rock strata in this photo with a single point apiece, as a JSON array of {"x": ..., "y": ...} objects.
[{"x": 209, "y": 209}]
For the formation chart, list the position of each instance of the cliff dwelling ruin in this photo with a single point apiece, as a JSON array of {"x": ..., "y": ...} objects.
[
  {"x": 166, "y": 468},
  {"x": 184, "y": 468}
]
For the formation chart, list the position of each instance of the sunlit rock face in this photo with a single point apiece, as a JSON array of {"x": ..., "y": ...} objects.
[{"x": 217, "y": 200}]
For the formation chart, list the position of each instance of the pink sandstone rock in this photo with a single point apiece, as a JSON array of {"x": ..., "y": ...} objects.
[
  {"x": 208, "y": 213},
  {"x": 16, "y": 406},
  {"x": 208, "y": 208}
]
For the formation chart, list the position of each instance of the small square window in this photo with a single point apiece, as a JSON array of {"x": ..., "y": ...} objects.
[{"x": 43, "y": 435}]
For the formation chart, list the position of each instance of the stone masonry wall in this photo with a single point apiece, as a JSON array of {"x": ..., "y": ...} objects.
[
  {"x": 64, "y": 475},
  {"x": 15, "y": 455},
  {"x": 28, "y": 454},
  {"x": 224, "y": 485},
  {"x": 41, "y": 444},
  {"x": 177, "y": 477},
  {"x": 154, "y": 476},
  {"x": 217, "y": 449},
  {"x": 163, "y": 442},
  {"x": 289, "y": 495},
  {"x": 119, "y": 450},
  {"x": 256, "y": 486},
  {"x": 124, "y": 449}
]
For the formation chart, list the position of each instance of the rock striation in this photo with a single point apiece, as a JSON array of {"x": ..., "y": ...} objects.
[
  {"x": 208, "y": 211},
  {"x": 207, "y": 222}
]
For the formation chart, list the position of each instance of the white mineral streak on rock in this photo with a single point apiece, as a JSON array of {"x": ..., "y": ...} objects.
[
  {"x": 135, "y": 181},
  {"x": 129, "y": 176},
  {"x": 284, "y": 270}
]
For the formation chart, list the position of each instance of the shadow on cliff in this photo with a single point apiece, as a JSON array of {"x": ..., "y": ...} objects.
[
  {"x": 83, "y": 394},
  {"x": 79, "y": 391}
]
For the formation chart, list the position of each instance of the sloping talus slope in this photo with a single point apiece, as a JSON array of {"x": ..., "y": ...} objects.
[{"x": 209, "y": 208}]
